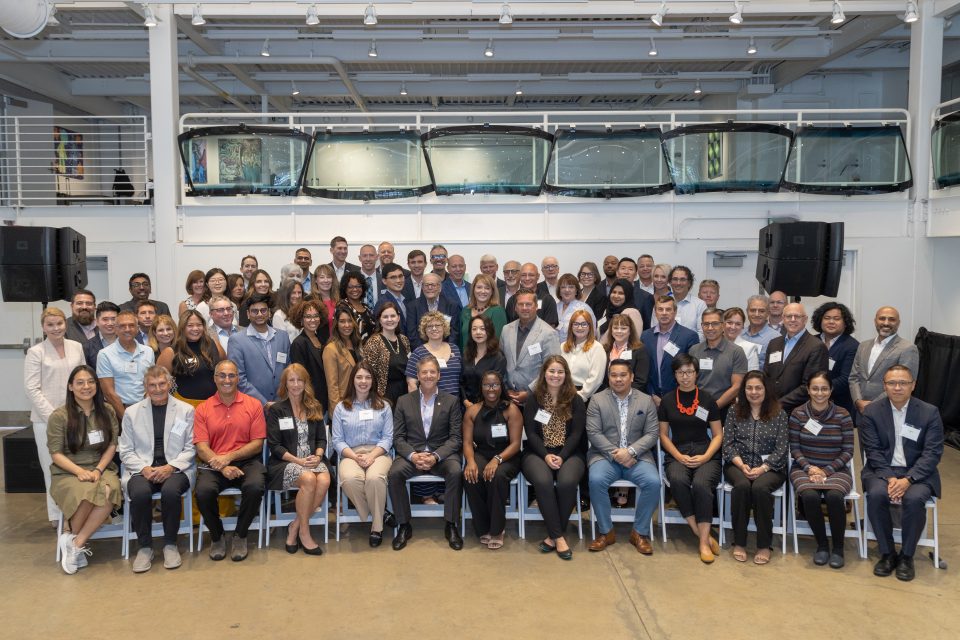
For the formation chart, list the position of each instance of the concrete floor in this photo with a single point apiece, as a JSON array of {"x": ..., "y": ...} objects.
[{"x": 430, "y": 591}]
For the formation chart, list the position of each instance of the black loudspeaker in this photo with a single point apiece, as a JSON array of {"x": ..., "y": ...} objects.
[
  {"x": 40, "y": 264},
  {"x": 21, "y": 464},
  {"x": 801, "y": 258}
]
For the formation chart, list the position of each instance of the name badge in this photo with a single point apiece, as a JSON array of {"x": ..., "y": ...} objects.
[
  {"x": 179, "y": 428},
  {"x": 671, "y": 348},
  {"x": 442, "y": 363},
  {"x": 130, "y": 367},
  {"x": 281, "y": 357},
  {"x": 366, "y": 414},
  {"x": 706, "y": 364},
  {"x": 447, "y": 318},
  {"x": 498, "y": 430},
  {"x": 286, "y": 424},
  {"x": 534, "y": 349},
  {"x": 95, "y": 437},
  {"x": 626, "y": 354},
  {"x": 776, "y": 356},
  {"x": 539, "y": 304},
  {"x": 543, "y": 417},
  {"x": 702, "y": 413},
  {"x": 813, "y": 426},
  {"x": 830, "y": 364},
  {"x": 910, "y": 432}
]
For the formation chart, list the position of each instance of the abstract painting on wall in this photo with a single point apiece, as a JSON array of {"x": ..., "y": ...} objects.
[
  {"x": 240, "y": 160},
  {"x": 68, "y": 153}
]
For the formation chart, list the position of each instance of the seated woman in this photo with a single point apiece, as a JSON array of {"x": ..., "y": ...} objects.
[
  {"x": 691, "y": 436},
  {"x": 584, "y": 354},
  {"x": 354, "y": 288},
  {"x": 482, "y": 355},
  {"x": 387, "y": 352},
  {"x": 362, "y": 435},
  {"x": 492, "y": 431},
  {"x": 290, "y": 293},
  {"x": 622, "y": 342},
  {"x": 196, "y": 292},
  {"x": 554, "y": 419},
  {"x": 619, "y": 302},
  {"x": 341, "y": 352},
  {"x": 192, "y": 359},
  {"x": 297, "y": 439},
  {"x": 161, "y": 335},
  {"x": 81, "y": 439},
  {"x": 307, "y": 349},
  {"x": 733, "y": 321},
  {"x": 485, "y": 302},
  {"x": 156, "y": 448},
  {"x": 821, "y": 444},
  {"x": 755, "y": 454},
  {"x": 260, "y": 282},
  {"x": 568, "y": 296}
]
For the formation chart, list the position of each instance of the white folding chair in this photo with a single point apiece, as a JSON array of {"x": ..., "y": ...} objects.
[
  {"x": 186, "y": 521},
  {"x": 230, "y": 523},
  {"x": 801, "y": 527},
  {"x": 275, "y": 516},
  {"x": 512, "y": 511},
  {"x": 673, "y": 516},
  {"x": 528, "y": 512},
  {"x": 618, "y": 514},
  {"x": 779, "y": 513}
]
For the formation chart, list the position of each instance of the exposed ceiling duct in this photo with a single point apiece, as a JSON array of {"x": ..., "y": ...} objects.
[{"x": 24, "y": 18}]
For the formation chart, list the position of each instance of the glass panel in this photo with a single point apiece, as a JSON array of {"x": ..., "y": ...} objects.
[
  {"x": 946, "y": 151},
  {"x": 243, "y": 160},
  {"x": 848, "y": 160},
  {"x": 487, "y": 159},
  {"x": 727, "y": 157},
  {"x": 367, "y": 166},
  {"x": 597, "y": 164}
]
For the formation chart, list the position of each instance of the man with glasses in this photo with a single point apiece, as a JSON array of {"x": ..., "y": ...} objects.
[
  {"x": 663, "y": 341},
  {"x": 793, "y": 357},
  {"x": 456, "y": 285},
  {"x": 546, "y": 305},
  {"x": 438, "y": 260},
  {"x": 551, "y": 274},
  {"x": 222, "y": 322},
  {"x": 228, "y": 431},
  {"x": 121, "y": 365},
  {"x": 139, "y": 285},
  {"x": 778, "y": 301},
  {"x": 394, "y": 281},
  {"x": 431, "y": 300},
  {"x": 757, "y": 330},
  {"x": 689, "y": 308},
  {"x": 723, "y": 364},
  {"x": 511, "y": 281},
  {"x": 902, "y": 439},
  {"x": 260, "y": 352},
  {"x": 875, "y": 356}
]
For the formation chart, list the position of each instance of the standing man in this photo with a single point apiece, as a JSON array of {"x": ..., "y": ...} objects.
[
  {"x": 875, "y": 356},
  {"x": 385, "y": 253},
  {"x": 645, "y": 267},
  {"x": 689, "y": 308},
  {"x": 511, "y": 281},
  {"x": 140, "y": 289},
  {"x": 610, "y": 273},
  {"x": 338, "y": 251},
  {"x": 723, "y": 364},
  {"x": 709, "y": 292},
  {"x": 368, "y": 269},
  {"x": 248, "y": 265},
  {"x": 489, "y": 267},
  {"x": 456, "y": 286},
  {"x": 222, "y": 323},
  {"x": 551, "y": 274},
  {"x": 432, "y": 300},
  {"x": 526, "y": 343},
  {"x": 627, "y": 270},
  {"x": 394, "y": 283},
  {"x": 663, "y": 342},
  {"x": 228, "y": 431},
  {"x": 259, "y": 353},
  {"x": 778, "y": 301},
  {"x": 304, "y": 260},
  {"x": 902, "y": 438},
  {"x": 82, "y": 325},
  {"x": 546, "y": 306},
  {"x": 793, "y": 357},
  {"x": 106, "y": 332},
  {"x": 623, "y": 430},
  {"x": 417, "y": 261},
  {"x": 122, "y": 365},
  {"x": 146, "y": 314},
  {"x": 758, "y": 331},
  {"x": 428, "y": 439},
  {"x": 438, "y": 260}
]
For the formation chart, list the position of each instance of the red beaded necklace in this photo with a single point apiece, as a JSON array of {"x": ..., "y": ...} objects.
[{"x": 692, "y": 409}]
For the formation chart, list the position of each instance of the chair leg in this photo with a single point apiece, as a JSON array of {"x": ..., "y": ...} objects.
[{"x": 936, "y": 537}]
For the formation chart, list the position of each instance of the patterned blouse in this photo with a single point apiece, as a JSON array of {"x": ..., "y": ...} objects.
[{"x": 756, "y": 441}]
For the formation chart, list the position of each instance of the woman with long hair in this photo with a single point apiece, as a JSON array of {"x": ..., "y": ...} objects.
[
  {"x": 622, "y": 342},
  {"x": 482, "y": 355},
  {"x": 340, "y": 354},
  {"x": 590, "y": 290},
  {"x": 310, "y": 316},
  {"x": 216, "y": 282},
  {"x": 290, "y": 294},
  {"x": 387, "y": 352},
  {"x": 661, "y": 280},
  {"x": 260, "y": 282},
  {"x": 192, "y": 359},
  {"x": 325, "y": 289},
  {"x": 161, "y": 334},
  {"x": 568, "y": 302},
  {"x": 236, "y": 290},
  {"x": 584, "y": 354},
  {"x": 484, "y": 301}
]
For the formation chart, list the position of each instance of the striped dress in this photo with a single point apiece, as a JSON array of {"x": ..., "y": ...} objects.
[{"x": 831, "y": 449}]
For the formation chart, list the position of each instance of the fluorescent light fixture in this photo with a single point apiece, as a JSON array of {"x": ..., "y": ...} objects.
[
  {"x": 149, "y": 20},
  {"x": 912, "y": 14},
  {"x": 737, "y": 16},
  {"x": 293, "y": 89},
  {"x": 519, "y": 90},
  {"x": 752, "y": 47},
  {"x": 838, "y": 17},
  {"x": 403, "y": 88},
  {"x": 373, "y": 49},
  {"x": 696, "y": 89},
  {"x": 488, "y": 52},
  {"x": 197, "y": 20},
  {"x": 657, "y": 18},
  {"x": 506, "y": 17},
  {"x": 653, "y": 49},
  {"x": 312, "y": 18},
  {"x": 370, "y": 15},
  {"x": 265, "y": 49}
]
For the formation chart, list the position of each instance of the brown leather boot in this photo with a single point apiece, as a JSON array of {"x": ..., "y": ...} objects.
[
  {"x": 603, "y": 541},
  {"x": 642, "y": 543}
]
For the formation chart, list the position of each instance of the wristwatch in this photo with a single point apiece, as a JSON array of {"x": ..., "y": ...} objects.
[
  {"x": 498, "y": 458},
  {"x": 633, "y": 452}
]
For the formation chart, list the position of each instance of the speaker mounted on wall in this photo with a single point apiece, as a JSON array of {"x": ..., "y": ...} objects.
[
  {"x": 41, "y": 264},
  {"x": 801, "y": 258}
]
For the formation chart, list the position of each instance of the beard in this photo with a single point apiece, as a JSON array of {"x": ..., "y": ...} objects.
[{"x": 84, "y": 317}]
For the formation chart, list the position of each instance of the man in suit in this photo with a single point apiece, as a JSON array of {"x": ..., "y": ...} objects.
[
  {"x": 427, "y": 438},
  {"x": 645, "y": 265},
  {"x": 260, "y": 352},
  {"x": 875, "y": 356},
  {"x": 627, "y": 270},
  {"x": 338, "y": 251},
  {"x": 623, "y": 429},
  {"x": 393, "y": 282},
  {"x": 902, "y": 439},
  {"x": 386, "y": 255},
  {"x": 222, "y": 324},
  {"x": 106, "y": 332},
  {"x": 456, "y": 286},
  {"x": 432, "y": 300},
  {"x": 609, "y": 269},
  {"x": 140, "y": 289},
  {"x": 793, "y": 357},
  {"x": 82, "y": 325},
  {"x": 551, "y": 274},
  {"x": 511, "y": 282},
  {"x": 662, "y": 342},
  {"x": 489, "y": 267},
  {"x": 546, "y": 305},
  {"x": 368, "y": 271},
  {"x": 417, "y": 261},
  {"x": 526, "y": 343}
]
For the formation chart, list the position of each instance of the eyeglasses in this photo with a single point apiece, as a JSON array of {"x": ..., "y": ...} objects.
[
  {"x": 434, "y": 327},
  {"x": 710, "y": 325},
  {"x": 491, "y": 385},
  {"x": 311, "y": 316},
  {"x": 686, "y": 372},
  {"x": 258, "y": 312},
  {"x": 221, "y": 310},
  {"x": 895, "y": 384},
  {"x": 226, "y": 376},
  {"x": 585, "y": 274},
  {"x": 217, "y": 281},
  {"x": 354, "y": 286},
  {"x": 395, "y": 276},
  {"x": 511, "y": 272},
  {"x": 580, "y": 325},
  {"x": 139, "y": 285},
  {"x": 550, "y": 266},
  {"x": 794, "y": 316},
  {"x": 429, "y": 285},
  {"x": 439, "y": 256}
]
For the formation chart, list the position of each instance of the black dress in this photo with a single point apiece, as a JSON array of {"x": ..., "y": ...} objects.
[
  {"x": 193, "y": 376},
  {"x": 396, "y": 374},
  {"x": 471, "y": 374},
  {"x": 310, "y": 357}
]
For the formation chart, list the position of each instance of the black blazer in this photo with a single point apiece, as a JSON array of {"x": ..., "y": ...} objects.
[
  {"x": 347, "y": 266},
  {"x": 842, "y": 353},
  {"x": 596, "y": 301},
  {"x": 417, "y": 308},
  {"x": 576, "y": 430},
  {"x": 446, "y": 429},
  {"x": 639, "y": 364},
  {"x": 304, "y": 353},
  {"x": 644, "y": 302},
  {"x": 790, "y": 376},
  {"x": 547, "y": 309},
  {"x": 877, "y": 438},
  {"x": 281, "y": 442}
]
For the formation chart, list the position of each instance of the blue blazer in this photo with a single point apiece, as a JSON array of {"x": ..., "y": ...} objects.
[
  {"x": 877, "y": 438},
  {"x": 447, "y": 289},
  {"x": 417, "y": 308},
  {"x": 644, "y": 301},
  {"x": 259, "y": 377},
  {"x": 662, "y": 381},
  {"x": 842, "y": 353}
]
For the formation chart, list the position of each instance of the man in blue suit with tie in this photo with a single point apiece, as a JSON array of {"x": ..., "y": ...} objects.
[
  {"x": 393, "y": 281},
  {"x": 260, "y": 352},
  {"x": 902, "y": 438},
  {"x": 432, "y": 300},
  {"x": 663, "y": 341}
]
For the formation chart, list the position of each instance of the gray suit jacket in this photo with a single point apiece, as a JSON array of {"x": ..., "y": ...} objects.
[
  {"x": 603, "y": 426},
  {"x": 135, "y": 445},
  {"x": 259, "y": 377},
  {"x": 522, "y": 370},
  {"x": 868, "y": 385},
  {"x": 446, "y": 428}
]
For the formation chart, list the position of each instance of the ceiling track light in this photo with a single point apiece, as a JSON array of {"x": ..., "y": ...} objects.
[
  {"x": 737, "y": 16},
  {"x": 372, "y": 52},
  {"x": 696, "y": 89},
  {"x": 294, "y": 91},
  {"x": 838, "y": 17},
  {"x": 265, "y": 49},
  {"x": 403, "y": 88},
  {"x": 312, "y": 18},
  {"x": 370, "y": 15},
  {"x": 488, "y": 52},
  {"x": 149, "y": 20},
  {"x": 653, "y": 49},
  {"x": 198, "y": 19},
  {"x": 506, "y": 16},
  {"x": 657, "y": 18},
  {"x": 911, "y": 14},
  {"x": 752, "y": 47},
  {"x": 519, "y": 90}
]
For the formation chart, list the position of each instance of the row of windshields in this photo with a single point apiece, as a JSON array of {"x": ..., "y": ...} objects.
[{"x": 572, "y": 162}]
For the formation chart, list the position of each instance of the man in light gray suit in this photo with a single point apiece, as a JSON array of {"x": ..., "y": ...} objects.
[
  {"x": 526, "y": 343},
  {"x": 623, "y": 429},
  {"x": 875, "y": 356}
]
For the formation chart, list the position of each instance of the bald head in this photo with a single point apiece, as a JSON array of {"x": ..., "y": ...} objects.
[
  {"x": 457, "y": 267},
  {"x": 551, "y": 269},
  {"x": 887, "y": 322},
  {"x": 794, "y": 318},
  {"x": 529, "y": 274}
]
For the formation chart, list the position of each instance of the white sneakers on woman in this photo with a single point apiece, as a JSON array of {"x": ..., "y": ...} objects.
[{"x": 72, "y": 558}]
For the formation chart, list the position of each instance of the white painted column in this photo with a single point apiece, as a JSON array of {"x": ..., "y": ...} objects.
[{"x": 165, "y": 111}]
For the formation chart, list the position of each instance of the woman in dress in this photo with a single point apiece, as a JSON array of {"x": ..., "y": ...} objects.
[
  {"x": 354, "y": 287},
  {"x": 297, "y": 439},
  {"x": 81, "y": 441},
  {"x": 290, "y": 293},
  {"x": 340, "y": 354},
  {"x": 733, "y": 319},
  {"x": 568, "y": 296},
  {"x": 484, "y": 301},
  {"x": 307, "y": 349},
  {"x": 260, "y": 282},
  {"x": 325, "y": 289},
  {"x": 161, "y": 335},
  {"x": 196, "y": 292},
  {"x": 387, "y": 352},
  {"x": 192, "y": 359},
  {"x": 482, "y": 355}
]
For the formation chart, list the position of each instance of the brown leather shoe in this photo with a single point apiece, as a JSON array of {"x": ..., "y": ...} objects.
[
  {"x": 603, "y": 541},
  {"x": 642, "y": 543}
]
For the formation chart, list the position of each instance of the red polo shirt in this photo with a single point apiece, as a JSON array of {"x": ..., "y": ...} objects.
[{"x": 226, "y": 428}]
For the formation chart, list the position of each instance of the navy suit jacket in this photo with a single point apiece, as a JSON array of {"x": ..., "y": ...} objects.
[
  {"x": 663, "y": 381},
  {"x": 447, "y": 289},
  {"x": 417, "y": 308},
  {"x": 386, "y": 296},
  {"x": 259, "y": 377},
  {"x": 644, "y": 302},
  {"x": 877, "y": 438},
  {"x": 842, "y": 353}
]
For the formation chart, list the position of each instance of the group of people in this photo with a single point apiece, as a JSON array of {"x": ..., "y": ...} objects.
[{"x": 575, "y": 381}]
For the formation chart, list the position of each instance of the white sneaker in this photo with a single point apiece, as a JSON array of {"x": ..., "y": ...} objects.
[
  {"x": 80, "y": 555},
  {"x": 68, "y": 555}
]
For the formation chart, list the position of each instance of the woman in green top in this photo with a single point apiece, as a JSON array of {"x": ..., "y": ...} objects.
[
  {"x": 82, "y": 438},
  {"x": 484, "y": 301}
]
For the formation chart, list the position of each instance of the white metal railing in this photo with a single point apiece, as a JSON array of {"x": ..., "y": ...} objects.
[{"x": 68, "y": 160}]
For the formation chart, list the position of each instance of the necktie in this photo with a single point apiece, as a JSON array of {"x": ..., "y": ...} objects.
[{"x": 368, "y": 299}]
